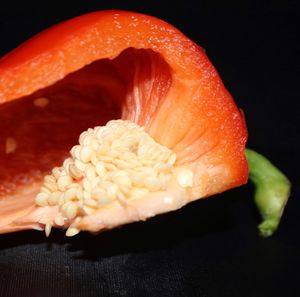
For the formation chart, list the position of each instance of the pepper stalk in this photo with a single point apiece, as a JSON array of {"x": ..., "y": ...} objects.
[{"x": 272, "y": 190}]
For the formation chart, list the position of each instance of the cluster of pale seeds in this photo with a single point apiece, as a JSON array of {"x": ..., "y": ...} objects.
[{"x": 116, "y": 162}]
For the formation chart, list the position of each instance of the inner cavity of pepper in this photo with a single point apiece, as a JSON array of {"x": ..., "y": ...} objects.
[{"x": 38, "y": 131}]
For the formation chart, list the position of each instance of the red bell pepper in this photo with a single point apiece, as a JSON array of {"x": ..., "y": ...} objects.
[{"x": 170, "y": 87}]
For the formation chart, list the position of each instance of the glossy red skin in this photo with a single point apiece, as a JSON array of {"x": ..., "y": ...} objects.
[{"x": 197, "y": 95}]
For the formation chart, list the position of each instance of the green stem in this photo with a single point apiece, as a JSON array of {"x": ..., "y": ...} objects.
[{"x": 272, "y": 190}]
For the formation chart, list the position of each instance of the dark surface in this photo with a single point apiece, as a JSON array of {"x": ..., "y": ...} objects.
[{"x": 209, "y": 248}]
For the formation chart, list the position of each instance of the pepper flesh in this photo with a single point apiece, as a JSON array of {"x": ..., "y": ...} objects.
[{"x": 171, "y": 88}]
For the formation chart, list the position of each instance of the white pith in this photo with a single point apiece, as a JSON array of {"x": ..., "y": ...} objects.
[{"x": 115, "y": 163}]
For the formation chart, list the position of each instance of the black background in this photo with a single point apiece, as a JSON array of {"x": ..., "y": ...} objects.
[{"x": 209, "y": 248}]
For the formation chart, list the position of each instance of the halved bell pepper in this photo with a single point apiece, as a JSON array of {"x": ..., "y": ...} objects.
[{"x": 99, "y": 67}]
